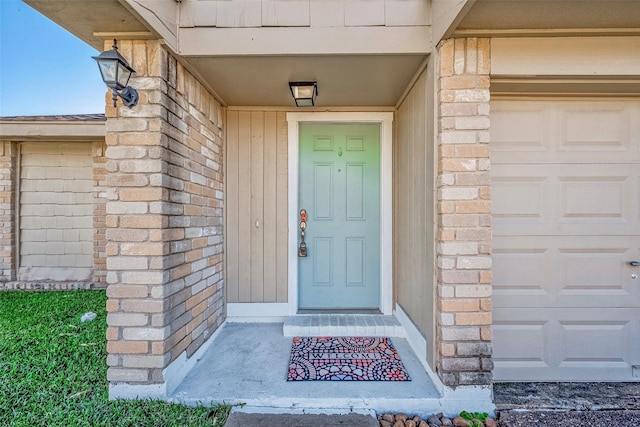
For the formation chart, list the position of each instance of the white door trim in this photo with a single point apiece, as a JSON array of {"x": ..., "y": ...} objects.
[{"x": 386, "y": 201}]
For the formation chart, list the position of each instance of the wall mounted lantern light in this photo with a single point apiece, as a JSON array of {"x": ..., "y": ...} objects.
[
  {"x": 116, "y": 72},
  {"x": 304, "y": 93}
]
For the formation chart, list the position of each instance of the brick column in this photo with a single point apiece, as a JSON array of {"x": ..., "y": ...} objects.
[
  {"x": 164, "y": 220},
  {"x": 99, "y": 213},
  {"x": 7, "y": 211},
  {"x": 463, "y": 306}
]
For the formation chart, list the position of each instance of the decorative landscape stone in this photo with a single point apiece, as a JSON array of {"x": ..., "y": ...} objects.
[{"x": 436, "y": 420}]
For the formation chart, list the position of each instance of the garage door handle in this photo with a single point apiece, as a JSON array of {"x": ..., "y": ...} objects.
[{"x": 634, "y": 263}]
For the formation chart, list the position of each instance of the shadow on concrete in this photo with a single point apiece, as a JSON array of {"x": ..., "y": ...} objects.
[{"x": 247, "y": 365}]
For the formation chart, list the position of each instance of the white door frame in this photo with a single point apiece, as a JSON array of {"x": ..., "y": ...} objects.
[{"x": 386, "y": 201}]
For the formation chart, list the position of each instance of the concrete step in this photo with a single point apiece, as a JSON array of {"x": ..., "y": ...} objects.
[{"x": 319, "y": 325}]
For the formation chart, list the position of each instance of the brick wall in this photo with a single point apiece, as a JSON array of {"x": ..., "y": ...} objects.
[
  {"x": 164, "y": 218},
  {"x": 464, "y": 214},
  {"x": 7, "y": 210}
]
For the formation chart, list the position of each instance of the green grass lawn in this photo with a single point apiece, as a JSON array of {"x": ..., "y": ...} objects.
[{"x": 53, "y": 368}]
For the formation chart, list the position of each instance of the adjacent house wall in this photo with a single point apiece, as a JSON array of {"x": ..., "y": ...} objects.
[
  {"x": 164, "y": 222},
  {"x": 95, "y": 264},
  {"x": 413, "y": 210},
  {"x": 257, "y": 203}
]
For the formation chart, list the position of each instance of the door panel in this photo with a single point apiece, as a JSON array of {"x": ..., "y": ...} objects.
[{"x": 339, "y": 187}]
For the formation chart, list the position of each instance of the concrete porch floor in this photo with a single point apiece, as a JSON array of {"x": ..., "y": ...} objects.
[{"x": 247, "y": 364}]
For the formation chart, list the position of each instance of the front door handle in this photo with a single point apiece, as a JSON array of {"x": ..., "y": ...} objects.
[
  {"x": 302, "y": 250},
  {"x": 634, "y": 263}
]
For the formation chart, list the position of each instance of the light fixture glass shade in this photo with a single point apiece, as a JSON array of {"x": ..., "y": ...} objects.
[
  {"x": 304, "y": 93},
  {"x": 109, "y": 70},
  {"x": 124, "y": 74},
  {"x": 115, "y": 70}
]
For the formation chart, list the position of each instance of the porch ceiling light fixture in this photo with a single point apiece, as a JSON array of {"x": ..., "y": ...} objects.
[
  {"x": 116, "y": 72},
  {"x": 304, "y": 93}
]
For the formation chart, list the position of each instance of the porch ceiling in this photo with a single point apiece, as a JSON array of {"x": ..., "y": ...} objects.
[
  {"x": 85, "y": 18},
  {"x": 364, "y": 80}
]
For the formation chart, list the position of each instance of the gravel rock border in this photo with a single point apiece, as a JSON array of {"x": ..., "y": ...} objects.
[{"x": 437, "y": 420}]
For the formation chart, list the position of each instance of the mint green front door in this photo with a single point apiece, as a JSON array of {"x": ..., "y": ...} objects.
[{"x": 339, "y": 187}]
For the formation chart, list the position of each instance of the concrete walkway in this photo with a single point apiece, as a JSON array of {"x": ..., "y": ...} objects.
[{"x": 247, "y": 364}]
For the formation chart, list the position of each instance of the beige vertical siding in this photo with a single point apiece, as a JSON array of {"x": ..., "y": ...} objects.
[
  {"x": 413, "y": 210},
  {"x": 257, "y": 206},
  {"x": 303, "y": 13}
]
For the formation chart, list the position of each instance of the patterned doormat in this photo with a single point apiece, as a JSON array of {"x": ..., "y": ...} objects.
[{"x": 345, "y": 359}]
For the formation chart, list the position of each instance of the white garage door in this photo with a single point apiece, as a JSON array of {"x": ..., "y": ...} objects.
[
  {"x": 56, "y": 211},
  {"x": 566, "y": 204}
]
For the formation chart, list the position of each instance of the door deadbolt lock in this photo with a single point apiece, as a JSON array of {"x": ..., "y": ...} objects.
[
  {"x": 302, "y": 249},
  {"x": 634, "y": 276}
]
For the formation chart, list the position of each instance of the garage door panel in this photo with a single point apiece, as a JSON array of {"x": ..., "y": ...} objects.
[
  {"x": 545, "y": 344},
  {"x": 42, "y": 185},
  {"x": 565, "y": 132},
  {"x": 595, "y": 274},
  {"x": 521, "y": 271},
  {"x": 576, "y": 271},
  {"x": 603, "y": 128},
  {"x": 593, "y": 198},
  {"x": 606, "y": 339},
  {"x": 566, "y": 199},
  {"x": 530, "y": 138},
  {"x": 526, "y": 339},
  {"x": 84, "y": 187},
  {"x": 519, "y": 198}
]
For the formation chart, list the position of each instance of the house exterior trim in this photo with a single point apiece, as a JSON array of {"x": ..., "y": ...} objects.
[
  {"x": 53, "y": 131},
  {"x": 288, "y": 41},
  {"x": 256, "y": 312},
  {"x": 386, "y": 200},
  {"x": 418, "y": 344}
]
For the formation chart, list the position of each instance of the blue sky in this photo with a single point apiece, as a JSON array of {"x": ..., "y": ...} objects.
[{"x": 44, "y": 69}]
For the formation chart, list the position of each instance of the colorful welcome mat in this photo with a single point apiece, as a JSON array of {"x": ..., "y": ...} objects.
[{"x": 345, "y": 359}]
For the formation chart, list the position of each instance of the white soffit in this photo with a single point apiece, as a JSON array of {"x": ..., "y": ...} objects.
[
  {"x": 496, "y": 17},
  {"x": 354, "y": 66}
]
